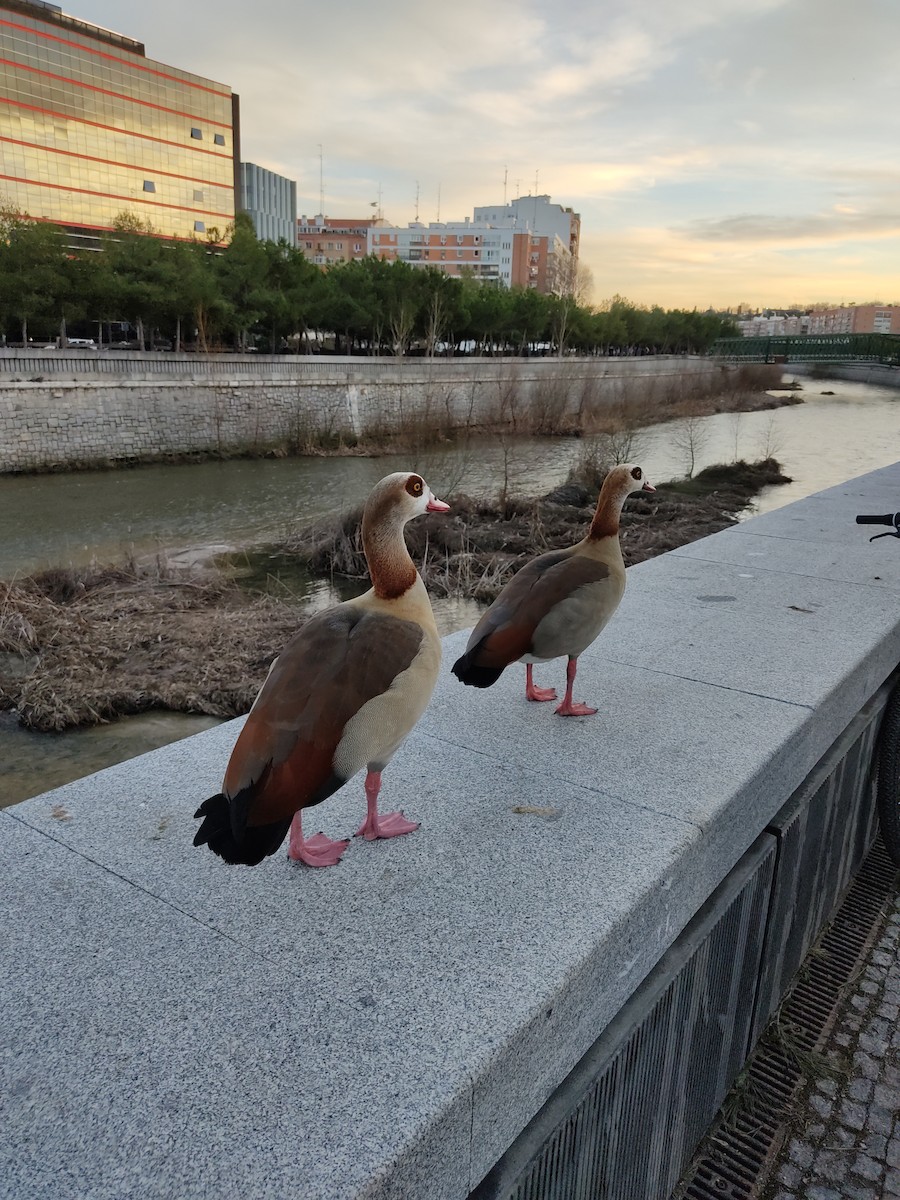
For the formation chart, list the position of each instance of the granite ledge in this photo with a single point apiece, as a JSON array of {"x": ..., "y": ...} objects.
[{"x": 404, "y": 982}]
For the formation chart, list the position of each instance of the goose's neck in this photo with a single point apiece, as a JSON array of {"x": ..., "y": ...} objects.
[
  {"x": 607, "y": 514},
  {"x": 391, "y": 569}
]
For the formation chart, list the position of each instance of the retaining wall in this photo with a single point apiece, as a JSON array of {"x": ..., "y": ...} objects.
[
  {"x": 555, "y": 978},
  {"x": 54, "y": 414},
  {"x": 857, "y": 372}
]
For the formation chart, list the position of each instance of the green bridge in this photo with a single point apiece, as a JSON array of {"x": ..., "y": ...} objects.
[{"x": 823, "y": 348}]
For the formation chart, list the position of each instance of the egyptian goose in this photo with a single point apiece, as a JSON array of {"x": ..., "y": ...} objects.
[
  {"x": 557, "y": 603},
  {"x": 343, "y": 695}
]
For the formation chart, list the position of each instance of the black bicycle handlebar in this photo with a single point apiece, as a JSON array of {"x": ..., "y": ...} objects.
[
  {"x": 885, "y": 519},
  {"x": 892, "y": 519}
]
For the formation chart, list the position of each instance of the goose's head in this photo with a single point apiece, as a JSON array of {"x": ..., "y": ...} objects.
[
  {"x": 398, "y": 498},
  {"x": 626, "y": 479}
]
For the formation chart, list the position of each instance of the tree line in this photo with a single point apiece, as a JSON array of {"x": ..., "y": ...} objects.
[{"x": 245, "y": 294}]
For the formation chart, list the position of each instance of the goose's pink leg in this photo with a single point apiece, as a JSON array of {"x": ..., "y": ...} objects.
[
  {"x": 385, "y": 825},
  {"x": 317, "y": 851},
  {"x": 536, "y": 693},
  {"x": 570, "y": 707}
]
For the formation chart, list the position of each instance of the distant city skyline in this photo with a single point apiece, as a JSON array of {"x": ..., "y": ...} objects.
[{"x": 718, "y": 152}]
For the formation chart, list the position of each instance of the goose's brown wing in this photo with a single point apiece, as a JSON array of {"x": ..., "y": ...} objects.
[
  {"x": 506, "y": 630},
  {"x": 283, "y": 759}
]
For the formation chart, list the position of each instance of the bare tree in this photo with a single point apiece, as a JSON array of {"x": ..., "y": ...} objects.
[
  {"x": 736, "y": 418},
  {"x": 690, "y": 437},
  {"x": 769, "y": 441},
  {"x": 436, "y": 317},
  {"x": 623, "y": 445},
  {"x": 572, "y": 284}
]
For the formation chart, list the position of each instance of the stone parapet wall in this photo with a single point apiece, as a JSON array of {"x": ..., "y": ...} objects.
[
  {"x": 570, "y": 959},
  {"x": 87, "y": 364},
  {"x": 65, "y": 423}
]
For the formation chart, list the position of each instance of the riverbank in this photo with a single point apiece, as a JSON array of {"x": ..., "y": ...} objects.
[
  {"x": 83, "y": 646},
  {"x": 63, "y": 423}
]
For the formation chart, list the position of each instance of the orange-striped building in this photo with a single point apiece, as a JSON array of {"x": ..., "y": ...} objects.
[{"x": 90, "y": 128}]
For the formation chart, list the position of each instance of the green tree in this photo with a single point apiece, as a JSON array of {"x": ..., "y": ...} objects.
[
  {"x": 243, "y": 269},
  {"x": 530, "y": 317},
  {"x": 133, "y": 256},
  {"x": 439, "y": 302},
  {"x": 346, "y": 304},
  {"x": 31, "y": 264},
  {"x": 201, "y": 297}
]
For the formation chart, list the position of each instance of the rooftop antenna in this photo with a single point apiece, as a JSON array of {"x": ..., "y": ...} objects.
[
  {"x": 321, "y": 183},
  {"x": 439, "y": 204},
  {"x": 505, "y": 177},
  {"x": 417, "y": 201}
]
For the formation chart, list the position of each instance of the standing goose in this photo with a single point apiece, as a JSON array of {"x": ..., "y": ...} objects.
[
  {"x": 557, "y": 603},
  {"x": 343, "y": 695}
]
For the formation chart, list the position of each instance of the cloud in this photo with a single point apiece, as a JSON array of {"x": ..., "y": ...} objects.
[
  {"x": 704, "y": 143},
  {"x": 840, "y": 225}
]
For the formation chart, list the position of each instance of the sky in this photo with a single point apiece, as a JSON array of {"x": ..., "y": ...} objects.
[{"x": 719, "y": 151}]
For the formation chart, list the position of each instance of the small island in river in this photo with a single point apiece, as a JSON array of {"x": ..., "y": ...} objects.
[{"x": 83, "y": 646}]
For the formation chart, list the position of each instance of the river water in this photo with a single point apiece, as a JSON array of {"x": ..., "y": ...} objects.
[{"x": 51, "y": 520}]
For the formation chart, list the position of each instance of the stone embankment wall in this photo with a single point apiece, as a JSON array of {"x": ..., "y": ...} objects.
[
  {"x": 73, "y": 411},
  {"x": 874, "y": 373}
]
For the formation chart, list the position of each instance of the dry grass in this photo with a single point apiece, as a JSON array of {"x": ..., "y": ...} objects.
[
  {"x": 480, "y": 545},
  {"x": 78, "y": 647}
]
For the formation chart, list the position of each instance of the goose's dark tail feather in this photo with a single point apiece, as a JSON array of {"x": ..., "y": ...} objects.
[
  {"x": 256, "y": 842},
  {"x": 467, "y": 670}
]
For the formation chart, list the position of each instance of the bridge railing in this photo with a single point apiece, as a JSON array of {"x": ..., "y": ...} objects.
[{"x": 816, "y": 347}]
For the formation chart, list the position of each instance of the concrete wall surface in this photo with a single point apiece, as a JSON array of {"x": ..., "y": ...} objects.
[
  {"x": 386, "y": 1028},
  {"x": 55, "y": 414},
  {"x": 874, "y": 373}
]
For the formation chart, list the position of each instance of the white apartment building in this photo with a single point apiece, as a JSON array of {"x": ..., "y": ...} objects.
[
  {"x": 538, "y": 214},
  {"x": 454, "y": 247},
  {"x": 774, "y": 325}
]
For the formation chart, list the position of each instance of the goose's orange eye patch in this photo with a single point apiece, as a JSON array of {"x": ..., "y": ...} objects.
[{"x": 415, "y": 486}]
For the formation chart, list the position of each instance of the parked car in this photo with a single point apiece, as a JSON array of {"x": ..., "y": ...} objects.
[{"x": 82, "y": 344}]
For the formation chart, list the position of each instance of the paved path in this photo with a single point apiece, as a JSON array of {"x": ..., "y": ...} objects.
[{"x": 845, "y": 1137}]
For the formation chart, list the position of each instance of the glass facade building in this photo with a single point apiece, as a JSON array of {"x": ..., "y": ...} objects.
[
  {"x": 91, "y": 128},
  {"x": 271, "y": 202}
]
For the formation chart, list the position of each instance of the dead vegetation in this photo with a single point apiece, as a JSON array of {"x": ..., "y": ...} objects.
[
  {"x": 79, "y": 647},
  {"x": 476, "y": 548}
]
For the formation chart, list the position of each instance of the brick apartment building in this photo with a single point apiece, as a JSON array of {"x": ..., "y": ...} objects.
[
  {"x": 528, "y": 243},
  {"x": 856, "y": 318},
  {"x": 327, "y": 241}
]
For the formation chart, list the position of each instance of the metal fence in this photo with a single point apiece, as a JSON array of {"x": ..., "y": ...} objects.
[
  {"x": 87, "y": 364},
  {"x": 625, "y": 1122},
  {"x": 825, "y": 347}
]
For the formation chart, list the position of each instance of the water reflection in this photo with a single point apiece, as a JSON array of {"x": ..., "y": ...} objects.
[{"x": 35, "y": 762}]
